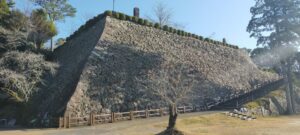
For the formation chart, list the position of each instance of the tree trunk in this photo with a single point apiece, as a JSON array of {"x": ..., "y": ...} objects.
[
  {"x": 172, "y": 117},
  {"x": 290, "y": 89}
]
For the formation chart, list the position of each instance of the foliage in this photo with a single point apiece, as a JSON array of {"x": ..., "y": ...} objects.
[
  {"x": 166, "y": 28},
  {"x": 128, "y": 18},
  {"x": 275, "y": 22},
  {"x": 135, "y": 19},
  {"x": 200, "y": 38},
  {"x": 146, "y": 22},
  {"x": 42, "y": 30},
  {"x": 4, "y": 9},
  {"x": 116, "y": 15},
  {"x": 16, "y": 21},
  {"x": 13, "y": 40},
  {"x": 141, "y": 21},
  {"x": 122, "y": 16},
  {"x": 57, "y": 10},
  {"x": 157, "y": 25},
  {"x": 108, "y": 13},
  {"x": 21, "y": 73},
  {"x": 151, "y": 24}
]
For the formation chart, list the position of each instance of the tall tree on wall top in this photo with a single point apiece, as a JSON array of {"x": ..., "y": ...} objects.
[
  {"x": 57, "y": 10},
  {"x": 276, "y": 25}
]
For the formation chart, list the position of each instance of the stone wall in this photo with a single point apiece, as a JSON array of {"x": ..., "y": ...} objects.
[
  {"x": 71, "y": 57},
  {"x": 127, "y": 53}
]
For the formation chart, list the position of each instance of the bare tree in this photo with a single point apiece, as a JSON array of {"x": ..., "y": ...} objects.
[
  {"x": 163, "y": 15},
  {"x": 172, "y": 84}
]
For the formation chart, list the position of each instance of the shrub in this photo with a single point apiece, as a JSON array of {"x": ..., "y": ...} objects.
[
  {"x": 135, "y": 19},
  {"x": 171, "y": 29},
  {"x": 116, "y": 15},
  {"x": 166, "y": 28},
  {"x": 157, "y": 25},
  {"x": 141, "y": 21},
  {"x": 128, "y": 18},
  {"x": 189, "y": 34},
  {"x": 108, "y": 13},
  {"x": 194, "y": 35},
  {"x": 122, "y": 16},
  {"x": 200, "y": 38},
  {"x": 174, "y": 31},
  {"x": 185, "y": 34},
  {"x": 151, "y": 24},
  {"x": 178, "y": 32},
  {"x": 146, "y": 22}
]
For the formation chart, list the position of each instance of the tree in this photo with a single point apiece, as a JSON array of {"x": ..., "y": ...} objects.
[
  {"x": 4, "y": 8},
  {"x": 276, "y": 23},
  {"x": 42, "y": 29},
  {"x": 172, "y": 84},
  {"x": 163, "y": 15},
  {"x": 57, "y": 10}
]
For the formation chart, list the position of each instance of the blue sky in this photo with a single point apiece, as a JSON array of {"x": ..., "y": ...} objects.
[{"x": 209, "y": 18}]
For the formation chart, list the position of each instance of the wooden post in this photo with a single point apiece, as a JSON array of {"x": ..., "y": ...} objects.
[
  {"x": 65, "y": 121},
  {"x": 183, "y": 109},
  {"x": 91, "y": 119},
  {"x": 112, "y": 117},
  {"x": 146, "y": 113},
  {"x": 131, "y": 115},
  {"x": 161, "y": 113},
  {"x": 69, "y": 121},
  {"x": 61, "y": 122}
]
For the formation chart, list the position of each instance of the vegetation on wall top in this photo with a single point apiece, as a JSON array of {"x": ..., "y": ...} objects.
[{"x": 145, "y": 22}]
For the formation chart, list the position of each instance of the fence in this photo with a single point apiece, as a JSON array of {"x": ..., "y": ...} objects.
[{"x": 94, "y": 119}]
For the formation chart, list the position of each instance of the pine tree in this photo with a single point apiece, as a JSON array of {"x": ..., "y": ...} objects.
[
  {"x": 276, "y": 24},
  {"x": 57, "y": 10}
]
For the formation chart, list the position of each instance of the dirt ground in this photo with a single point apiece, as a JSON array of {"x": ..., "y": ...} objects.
[{"x": 207, "y": 123}]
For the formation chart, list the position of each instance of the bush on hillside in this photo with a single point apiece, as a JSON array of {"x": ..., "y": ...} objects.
[
  {"x": 108, "y": 13},
  {"x": 200, "y": 38},
  {"x": 166, "y": 28},
  {"x": 116, "y": 15},
  {"x": 151, "y": 24},
  {"x": 135, "y": 19},
  {"x": 141, "y": 21},
  {"x": 128, "y": 18},
  {"x": 157, "y": 25},
  {"x": 146, "y": 22},
  {"x": 122, "y": 16},
  {"x": 21, "y": 73}
]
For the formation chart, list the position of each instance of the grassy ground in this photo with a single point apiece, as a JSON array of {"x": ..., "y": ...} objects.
[
  {"x": 223, "y": 125},
  {"x": 203, "y": 124}
]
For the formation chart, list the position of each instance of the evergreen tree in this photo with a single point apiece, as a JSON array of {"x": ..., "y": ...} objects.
[
  {"x": 276, "y": 24},
  {"x": 57, "y": 10},
  {"x": 42, "y": 30}
]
